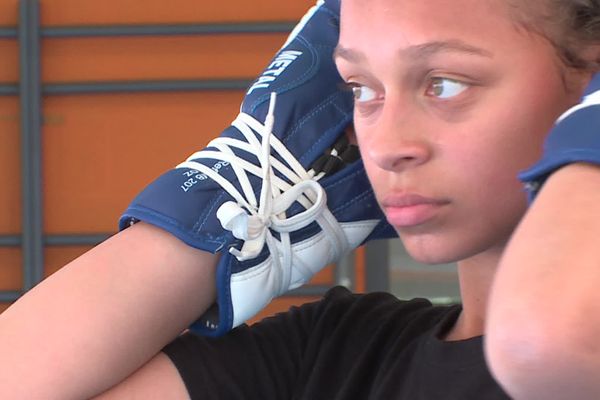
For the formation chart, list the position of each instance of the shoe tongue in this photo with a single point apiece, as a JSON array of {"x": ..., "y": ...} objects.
[
  {"x": 312, "y": 107},
  {"x": 288, "y": 72},
  {"x": 275, "y": 79}
]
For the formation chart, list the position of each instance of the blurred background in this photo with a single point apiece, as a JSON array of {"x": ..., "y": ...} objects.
[{"x": 97, "y": 98}]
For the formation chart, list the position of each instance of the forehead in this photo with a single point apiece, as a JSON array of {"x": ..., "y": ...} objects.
[{"x": 409, "y": 22}]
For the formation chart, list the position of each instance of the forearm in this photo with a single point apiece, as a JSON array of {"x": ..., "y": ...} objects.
[
  {"x": 102, "y": 316},
  {"x": 543, "y": 322}
]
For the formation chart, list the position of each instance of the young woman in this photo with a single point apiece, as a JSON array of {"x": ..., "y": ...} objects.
[{"x": 452, "y": 100}]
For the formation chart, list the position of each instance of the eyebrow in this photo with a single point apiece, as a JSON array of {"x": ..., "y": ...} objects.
[{"x": 425, "y": 50}]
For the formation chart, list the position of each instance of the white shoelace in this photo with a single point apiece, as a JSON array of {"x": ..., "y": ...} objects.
[{"x": 250, "y": 220}]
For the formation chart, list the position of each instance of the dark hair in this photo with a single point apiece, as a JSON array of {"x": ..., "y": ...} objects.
[
  {"x": 580, "y": 24},
  {"x": 570, "y": 25}
]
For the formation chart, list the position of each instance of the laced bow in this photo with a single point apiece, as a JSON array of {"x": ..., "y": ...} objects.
[{"x": 251, "y": 220}]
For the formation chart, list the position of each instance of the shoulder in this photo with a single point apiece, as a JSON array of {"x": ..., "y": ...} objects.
[
  {"x": 342, "y": 312},
  {"x": 340, "y": 301}
]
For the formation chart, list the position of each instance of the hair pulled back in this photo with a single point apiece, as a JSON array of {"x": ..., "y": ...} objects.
[
  {"x": 578, "y": 27},
  {"x": 571, "y": 25}
]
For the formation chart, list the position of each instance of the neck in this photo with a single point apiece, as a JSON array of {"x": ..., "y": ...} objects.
[{"x": 476, "y": 276}]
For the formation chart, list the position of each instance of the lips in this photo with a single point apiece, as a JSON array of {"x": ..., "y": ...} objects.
[{"x": 408, "y": 210}]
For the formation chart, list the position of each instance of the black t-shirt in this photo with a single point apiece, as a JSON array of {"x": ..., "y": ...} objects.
[{"x": 346, "y": 346}]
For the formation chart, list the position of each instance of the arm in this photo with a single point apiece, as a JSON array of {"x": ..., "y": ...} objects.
[
  {"x": 103, "y": 315},
  {"x": 544, "y": 324},
  {"x": 159, "y": 289}
]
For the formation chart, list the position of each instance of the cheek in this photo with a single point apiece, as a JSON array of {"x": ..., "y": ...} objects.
[
  {"x": 363, "y": 140},
  {"x": 523, "y": 121},
  {"x": 513, "y": 139},
  {"x": 484, "y": 177},
  {"x": 488, "y": 166},
  {"x": 373, "y": 172}
]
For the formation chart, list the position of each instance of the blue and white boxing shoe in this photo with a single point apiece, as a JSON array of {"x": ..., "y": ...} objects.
[
  {"x": 267, "y": 195},
  {"x": 574, "y": 138}
]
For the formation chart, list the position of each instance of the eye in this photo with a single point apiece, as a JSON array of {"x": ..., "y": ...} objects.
[
  {"x": 445, "y": 88},
  {"x": 363, "y": 93}
]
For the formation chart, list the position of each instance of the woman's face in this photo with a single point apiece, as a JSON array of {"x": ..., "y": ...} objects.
[{"x": 453, "y": 99}]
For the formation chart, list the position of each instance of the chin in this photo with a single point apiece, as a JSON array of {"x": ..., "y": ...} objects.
[
  {"x": 433, "y": 256},
  {"x": 432, "y": 252},
  {"x": 433, "y": 259}
]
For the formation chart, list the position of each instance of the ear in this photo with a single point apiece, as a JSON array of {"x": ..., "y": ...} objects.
[
  {"x": 580, "y": 80},
  {"x": 591, "y": 54},
  {"x": 577, "y": 79}
]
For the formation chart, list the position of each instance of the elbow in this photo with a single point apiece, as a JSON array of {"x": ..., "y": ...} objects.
[
  {"x": 533, "y": 357},
  {"x": 514, "y": 358}
]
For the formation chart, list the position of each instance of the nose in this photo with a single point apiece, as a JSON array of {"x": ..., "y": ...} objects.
[{"x": 397, "y": 140}]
